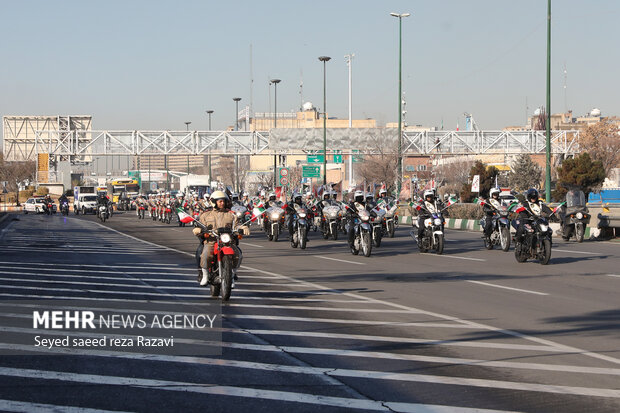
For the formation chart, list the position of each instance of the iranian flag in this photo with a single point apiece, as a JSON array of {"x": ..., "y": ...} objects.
[
  {"x": 183, "y": 217},
  {"x": 257, "y": 211},
  {"x": 451, "y": 201},
  {"x": 479, "y": 201}
]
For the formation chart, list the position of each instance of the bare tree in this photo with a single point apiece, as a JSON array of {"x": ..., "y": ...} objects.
[
  {"x": 602, "y": 142},
  {"x": 451, "y": 174},
  {"x": 16, "y": 173},
  {"x": 380, "y": 165}
]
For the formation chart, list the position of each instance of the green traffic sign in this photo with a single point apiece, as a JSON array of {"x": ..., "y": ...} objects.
[
  {"x": 309, "y": 171},
  {"x": 337, "y": 158},
  {"x": 357, "y": 157},
  {"x": 315, "y": 158}
]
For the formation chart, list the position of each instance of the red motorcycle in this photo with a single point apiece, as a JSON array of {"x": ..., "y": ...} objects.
[
  {"x": 141, "y": 211},
  {"x": 227, "y": 259}
]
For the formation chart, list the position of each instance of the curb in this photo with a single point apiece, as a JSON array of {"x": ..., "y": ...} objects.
[{"x": 474, "y": 225}]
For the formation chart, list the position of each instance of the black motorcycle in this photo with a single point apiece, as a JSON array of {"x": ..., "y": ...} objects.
[
  {"x": 576, "y": 216},
  {"x": 500, "y": 234},
  {"x": 300, "y": 227},
  {"x": 64, "y": 208},
  {"x": 432, "y": 235},
  {"x": 362, "y": 239},
  {"x": 535, "y": 242}
]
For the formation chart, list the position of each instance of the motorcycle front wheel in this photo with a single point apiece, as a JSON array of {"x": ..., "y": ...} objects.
[
  {"x": 302, "y": 239},
  {"x": 505, "y": 239},
  {"x": 579, "y": 232},
  {"x": 226, "y": 277},
  {"x": 294, "y": 240},
  {"x": 366, "y": 244},
  {"x": 276, "y": 233},
  {"x": 488, "y": 244},
  {"x": 545, "y": 254},
  {"x": 390, "y": 229},
  {"x": 520, "y": 257},
  {"x": 439, "y": 245}
]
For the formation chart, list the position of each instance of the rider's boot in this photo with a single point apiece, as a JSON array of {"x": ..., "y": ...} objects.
[{"x": 205, "y": 277}]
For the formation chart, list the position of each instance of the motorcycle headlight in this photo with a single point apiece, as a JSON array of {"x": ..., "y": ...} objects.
[
  {"x": 225, "y": 238},
  {"x": 544, "y": 227},
  {"x": 365, "y": 217},
  {"x": 437, "y": 221},
  {"x": 275, "y": 216},
  {"x": 239, "y": 214},
  {"x": 302, "y": 215},
  {"x": 579, "y": 215}
]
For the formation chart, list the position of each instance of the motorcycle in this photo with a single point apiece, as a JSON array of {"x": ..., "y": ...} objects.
[
  {"x": 536, "y": 242},
  {"x": 64, "y": 208},
  {"x": 167, "y": 214},
  {"x": 273, "y": 222},
  {"x": 103, "y": 213},
  {"x": 300, "y": 227},
  {"x": 391, "y": 220},
  {"x": 141, "y": 210},
  {"x": 576, "y": 217},
  {"x": 226, "y": 261},
  {"x": 432, "y": 236},
  {"x": 362, "y": 232},
  {"x": 241, "y": 213},
  {"x": 378, "y": 223},
  {"x": 331, "y": 221},
  {"x": 500, "y": 234},
  {"x": 48, "y": 208}
]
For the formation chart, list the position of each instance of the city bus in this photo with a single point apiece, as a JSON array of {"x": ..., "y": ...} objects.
[{"x": 116, "y": 186}]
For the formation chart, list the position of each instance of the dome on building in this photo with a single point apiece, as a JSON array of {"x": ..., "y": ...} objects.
[
  {"x": 595, "y": 112},
  {"x": 308, "y": 106}
]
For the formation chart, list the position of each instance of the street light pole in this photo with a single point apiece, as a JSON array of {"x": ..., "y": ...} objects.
[
  {"x": 324, "y": 59},
  {"x": 400, "y": 100},
  {"x": 275, "y": 125},
  {"x": 236, "y": 156},
  {"x": 548, "y": 122},
  {"x": 348, "y": 58},
  {"x": 209, "y": 112}
]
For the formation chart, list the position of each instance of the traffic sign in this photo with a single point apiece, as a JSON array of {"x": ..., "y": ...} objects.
[
  {"x": 283, "y": 181},
  {"x": 283, "y": 172},
  {"x": 309, "y": 171},
  {"x": 356, "y": 156},
  {"x": 315, "y": 158},
  {"x": 475, "y": 185}
]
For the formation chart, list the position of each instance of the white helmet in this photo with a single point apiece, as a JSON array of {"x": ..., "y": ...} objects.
[
  {"x": 272, "y": 195},
  {"x": 429, "y": 192},
  {"x": 358, "y": 196},
  {"x": 494, "y": 191},
  {"x": 382, "y": 191}
]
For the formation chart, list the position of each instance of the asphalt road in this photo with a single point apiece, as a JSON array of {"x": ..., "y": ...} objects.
[{"x": 470, "y": 330}]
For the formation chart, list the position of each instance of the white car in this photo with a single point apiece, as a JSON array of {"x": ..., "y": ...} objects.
[
  {"x": 36, "y": 205},
  {"x": 85, "y": 203}
]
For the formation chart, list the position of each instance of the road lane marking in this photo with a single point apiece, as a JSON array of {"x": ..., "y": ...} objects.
[
  {"x": 346, "y": 321},
  {"x": 252, "y": 245},
  {"x": 576, "y": 252},
  {"x": 206, "y": 388},
  {"x": 613, "y": 275},
  {"x": 294, "y": 307},
  {"x": 47, "y": 264},
  {"x": 506, "y": 288},
  {"x": 337, "y": 259},
  {"x": 17, "y": 406},
  {"x": 302, "y": 370},
  {"x": 455, "y": 257}
]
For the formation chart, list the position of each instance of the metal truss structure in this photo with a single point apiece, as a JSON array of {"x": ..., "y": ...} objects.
[
  {"x": 82, "y": 143},
  {"x": 22, "y": 139},
  {"x": 489, "y": 142}
]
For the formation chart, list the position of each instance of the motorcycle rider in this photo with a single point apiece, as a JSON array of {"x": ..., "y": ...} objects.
[
  {"x": 533, "y": 206},
  {"x": 490, "y": 208},
  {"x": 219, "y": 217},
  {"x": 428, "y": 206},
  {"x": 103, "y": 199},
  {"x": 357, "y": 201},
  {"x": 291, "y": 210}
]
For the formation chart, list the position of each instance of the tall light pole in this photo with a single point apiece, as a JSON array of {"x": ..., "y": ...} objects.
[
  {"x": 324, "y": 59},
  {"x": 548, "y": 122},
  {"x": 187, "y": 129},
  {"x": 348, "y": 58},
  {"x": 275, "y": 125},
  {"x": 236, "y": 156},
  {"x": 209, "y": 112},
  {"x": 400, "y": 99}
]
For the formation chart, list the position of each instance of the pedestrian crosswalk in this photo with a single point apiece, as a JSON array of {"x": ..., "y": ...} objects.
[{"x": 287, "y": 344}]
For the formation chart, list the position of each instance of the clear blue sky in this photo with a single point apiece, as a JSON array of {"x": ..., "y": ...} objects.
[{"x": 138, "y": 64}]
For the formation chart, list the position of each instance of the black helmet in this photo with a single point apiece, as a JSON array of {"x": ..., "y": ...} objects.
[{"x": 532, "y": 195}]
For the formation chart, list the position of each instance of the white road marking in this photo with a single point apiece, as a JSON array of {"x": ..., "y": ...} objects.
[
  {"x": 454, "y": 257},
  {"x": 48, "y": 264},
  {"x": 613, "y": 275},
  {"x": 337, "y": 259},
  {"x": 506, "y": 288},
  {"x": 93, "y": 291},
  {"x": 206, "y": 388},
  {"x": 303, "y": 370},
  {"x": 346, "y": 321},
  {"x": 27, "y": 407},
  {"x": 293, "y": 307},
  {"x": 252, "y": 245},
  {"x": 576, "y": 252}
]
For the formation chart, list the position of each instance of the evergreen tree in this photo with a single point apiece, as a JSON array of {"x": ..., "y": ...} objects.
[
  {"x": 580, "y": 172},
  {"x": 525, "y": 173}
]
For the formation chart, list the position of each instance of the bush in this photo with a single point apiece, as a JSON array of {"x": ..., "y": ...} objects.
[
  {"x": 25, "y": 194},
  {"x": 42, "y": 190},
  {"x": 464, "y": 211}
]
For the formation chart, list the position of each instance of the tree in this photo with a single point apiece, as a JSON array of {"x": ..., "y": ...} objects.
[
  {"x": 380, "y": 166},
  {"x": 602, "y": 142},
  {"x": 579, "y": 172},
  {"x": 487, "y": 181},
  {"x": 15, "y": 173},
  {"x": 451, "y": 174},
  {"x": 525, "y": 173}
]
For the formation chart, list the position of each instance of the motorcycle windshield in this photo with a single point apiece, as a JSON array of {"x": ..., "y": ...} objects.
[{"x": 575, "y": 199}]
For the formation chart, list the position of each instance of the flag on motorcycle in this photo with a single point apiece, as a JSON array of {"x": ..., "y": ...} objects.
[
  {"x": 558, "y": 207},
  {"x": 451, "y": 201},
  {"x": 257, "y": 211},
  {"x": 183, "y": 217},
  {"x": 479, "y": 201}
]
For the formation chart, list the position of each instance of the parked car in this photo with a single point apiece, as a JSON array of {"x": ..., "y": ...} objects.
[{"x": 35, "y": 204}]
